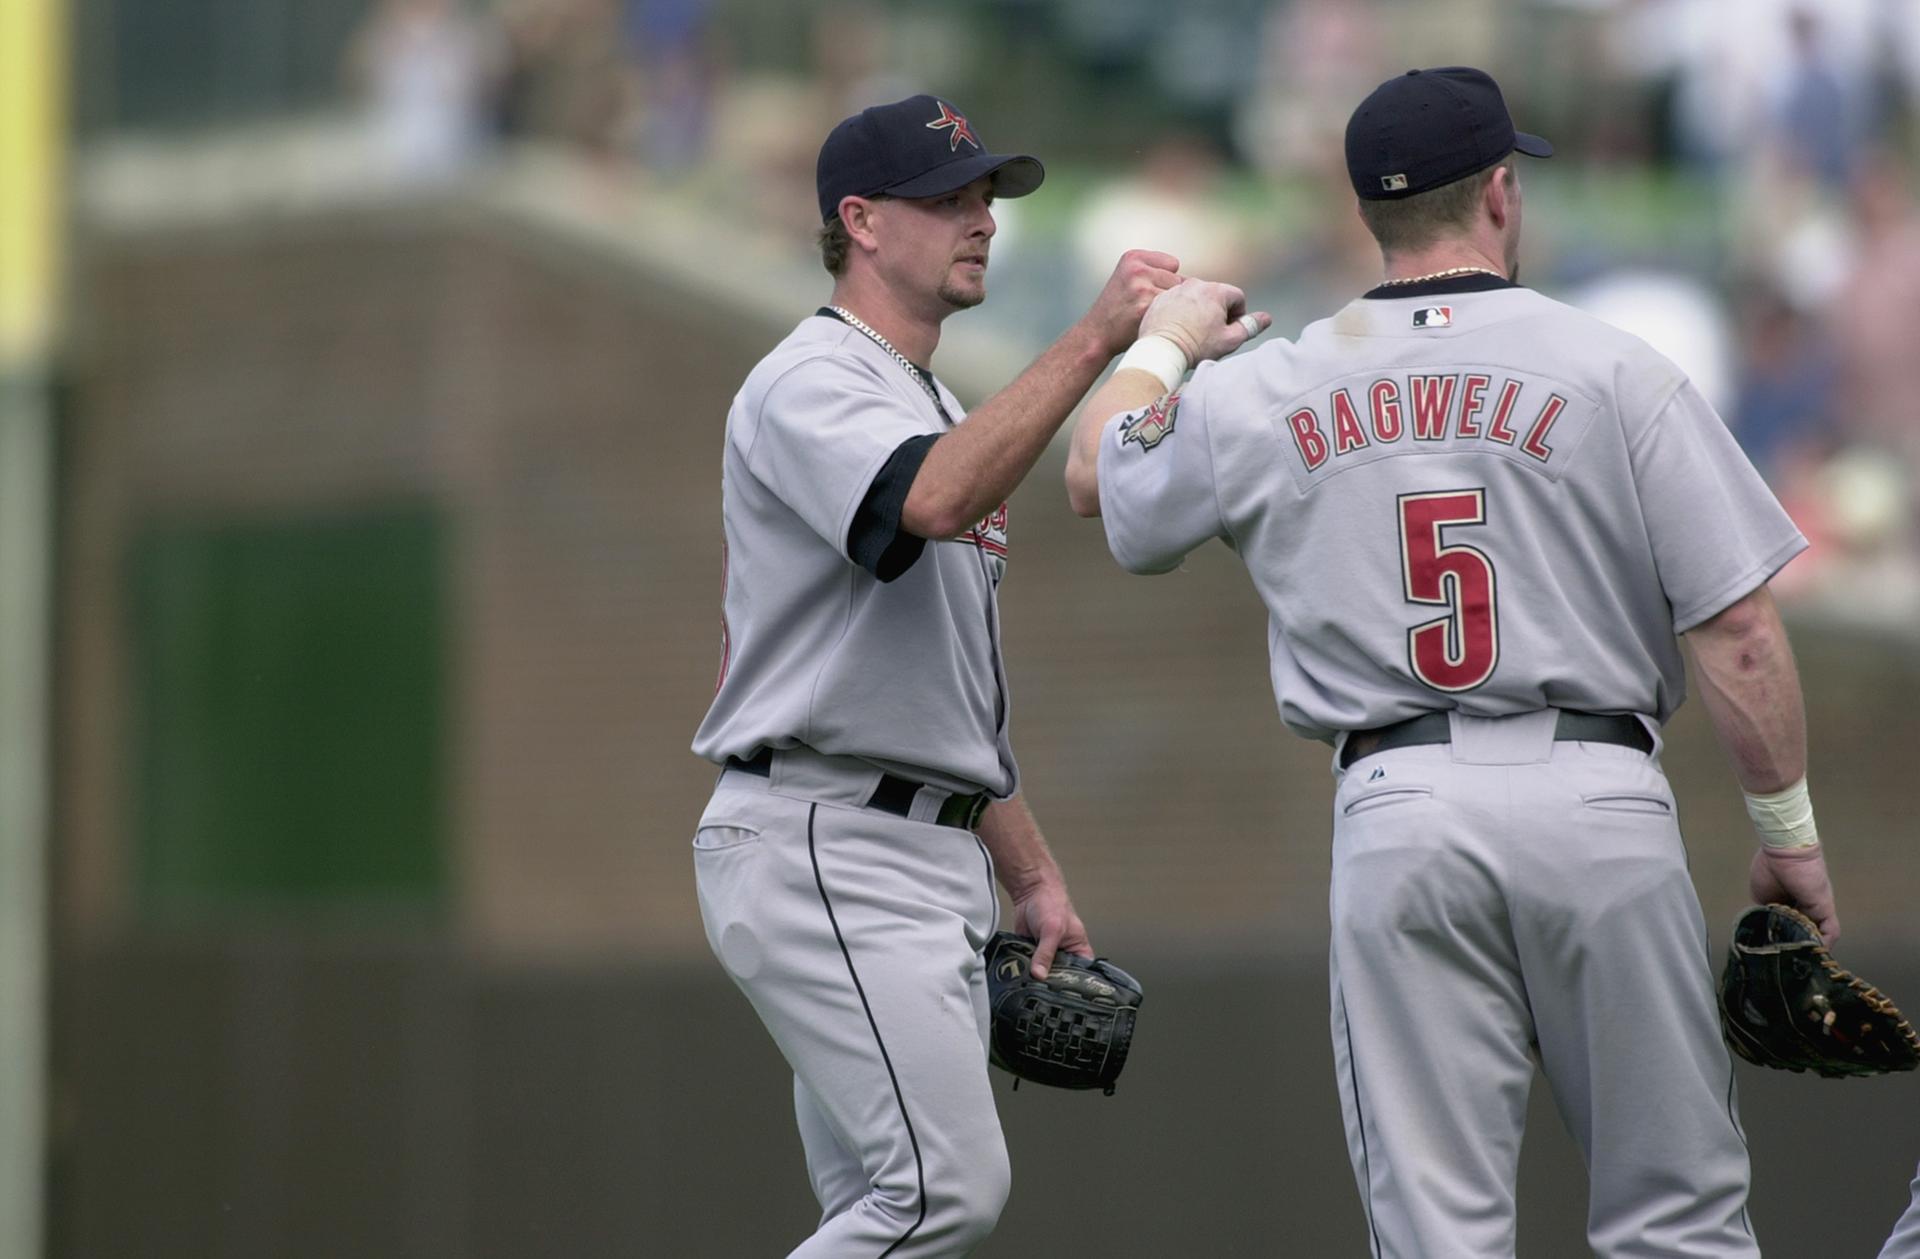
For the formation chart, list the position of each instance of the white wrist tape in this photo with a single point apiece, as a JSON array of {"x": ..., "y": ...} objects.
[
  {"x": 1158, "y": 357},
  {"x": 1784, "y": 818}
]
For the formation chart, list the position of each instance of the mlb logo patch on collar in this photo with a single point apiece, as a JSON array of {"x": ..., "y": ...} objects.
[{"x": 1433, "y": 317}]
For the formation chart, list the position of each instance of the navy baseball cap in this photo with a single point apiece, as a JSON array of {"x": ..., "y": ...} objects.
[
  {"x": 919, "y": 147},
  {"x": 1427, "y": 128}
]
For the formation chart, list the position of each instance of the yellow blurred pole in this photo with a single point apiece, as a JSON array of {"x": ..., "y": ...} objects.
[{"x": 32, "y": 142}]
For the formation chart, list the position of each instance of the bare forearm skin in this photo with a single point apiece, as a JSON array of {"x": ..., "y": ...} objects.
[
  {"x": 1751, "y": 689},
  {"x": 1021, "y": 858},
  {"x": 1128, "y": 390},
  {"x": 975, "y": 467}
]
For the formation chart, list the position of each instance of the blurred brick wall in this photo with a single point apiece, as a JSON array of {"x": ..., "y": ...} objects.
[{"x": 564, "y": 410}]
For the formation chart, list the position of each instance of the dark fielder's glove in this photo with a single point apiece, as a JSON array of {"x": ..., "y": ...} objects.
[
  {"x": 1785, "y": 1003},
  {"x": 1072, "y": 1029}
]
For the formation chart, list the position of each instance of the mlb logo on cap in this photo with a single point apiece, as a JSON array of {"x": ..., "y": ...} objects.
[
  {"x": 1427, "y": 128},
  {"x": 1433, "y": 317}
]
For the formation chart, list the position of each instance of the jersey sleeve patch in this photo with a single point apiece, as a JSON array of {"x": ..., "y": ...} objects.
[{"x": 1153, "y": 425}]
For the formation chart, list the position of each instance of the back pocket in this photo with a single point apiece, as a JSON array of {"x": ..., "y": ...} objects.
[
  {"x": 1628, "y": 802},
  {"x": 715, "y": 836},
  {"x": 1383, "y": 799}
]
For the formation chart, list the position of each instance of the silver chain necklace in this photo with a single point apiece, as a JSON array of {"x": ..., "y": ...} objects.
[
  {"x": 1448, "y": 274},
  {"x": 906, "y": 366}
]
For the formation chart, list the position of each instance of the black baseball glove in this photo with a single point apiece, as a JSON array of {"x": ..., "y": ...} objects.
[
  {"x": 1072, "y": 1029},
  {"x": 1785, "y": 1003}
]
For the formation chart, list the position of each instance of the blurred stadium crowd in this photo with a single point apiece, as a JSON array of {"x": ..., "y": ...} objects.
[{"x": 1735, "y": 180}]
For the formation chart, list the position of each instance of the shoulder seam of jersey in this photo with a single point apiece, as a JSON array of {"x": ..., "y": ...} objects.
[
  {"x": 1655, "y": 412},
  {"x": 825, "y": 354}
]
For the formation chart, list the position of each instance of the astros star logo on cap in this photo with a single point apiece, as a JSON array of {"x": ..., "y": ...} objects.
[{"x": 961, "y": 131}]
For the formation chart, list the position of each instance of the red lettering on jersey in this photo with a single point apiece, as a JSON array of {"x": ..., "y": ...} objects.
[
  {"x": 1347, "y": 433},
  {"x": 1473, "y": 390},
  {"x": 1536, "y": 443},
  {"x": 1306, "y": 435},
  {"x": 1384, "y": 400},
  {"x": 990, "y": 535},
  {"x": 1432, "y": 399},
  {"x": 1497, "y": 426}
]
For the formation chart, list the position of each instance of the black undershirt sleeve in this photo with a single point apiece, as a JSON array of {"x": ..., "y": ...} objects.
[{"x": 875, "y": 540}]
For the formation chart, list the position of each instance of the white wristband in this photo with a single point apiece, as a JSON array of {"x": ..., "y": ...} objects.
[
  {"x": 1784, "y": 818},
  {"x": 1158, "y": 357}
]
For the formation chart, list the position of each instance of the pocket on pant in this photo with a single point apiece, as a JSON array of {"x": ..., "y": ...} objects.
[
  {"x": 1384, "y": 799},
  {"x": 714, "y": 836},
  {"x": 1629, "y": 802}
]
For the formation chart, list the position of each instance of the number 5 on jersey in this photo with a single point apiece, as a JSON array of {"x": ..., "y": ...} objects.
[{"x": 1458, "y": 651}]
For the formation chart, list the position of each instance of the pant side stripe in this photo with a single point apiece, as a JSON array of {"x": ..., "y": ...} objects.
[{"x": 919, "y": 1165}]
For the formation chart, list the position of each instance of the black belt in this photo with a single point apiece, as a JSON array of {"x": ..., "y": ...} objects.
[
  {"x": 893, "y": 795},
  {"x": 1573, "y": 726}
]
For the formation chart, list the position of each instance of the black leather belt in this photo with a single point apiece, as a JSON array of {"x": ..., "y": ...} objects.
[
  {"x": 893, "y": 795},
  {"x": 1573, "y": 726}
]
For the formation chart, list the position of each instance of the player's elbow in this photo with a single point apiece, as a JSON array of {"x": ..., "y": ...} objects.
[
  {"x": 1083, "y": 486},
  {"x": 1752, "y": 617},
  {"x": 936, "y": 515},
  {"x": 1083, "y": 498}
]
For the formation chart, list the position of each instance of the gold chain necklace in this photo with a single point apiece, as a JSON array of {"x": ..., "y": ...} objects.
[
  {"x": 907, "y": 366},
  {"x": 1448, "y": 274}
]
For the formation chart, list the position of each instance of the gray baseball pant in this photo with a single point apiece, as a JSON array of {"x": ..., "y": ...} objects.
[
  {"x": 856, "y": 936},
  {"x": 1509, "y": 898}
]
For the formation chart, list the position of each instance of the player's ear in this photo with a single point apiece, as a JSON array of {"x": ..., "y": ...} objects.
[
  {"x": 1502, "y": 195},
  {"x": 857, "y": 216}
]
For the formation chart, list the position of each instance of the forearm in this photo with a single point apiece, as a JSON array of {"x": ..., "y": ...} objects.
[
  {"x": 977, "y": 466},
  {"x": 1021, "y": 858},
  {"x": 1751, "y": 690},
  {"x": 1126, "y": 390}
]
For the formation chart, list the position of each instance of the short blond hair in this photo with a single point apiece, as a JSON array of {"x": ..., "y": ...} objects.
[
  {"x": 834, "y": 242},
  {"x": 1415, "y": 222}
]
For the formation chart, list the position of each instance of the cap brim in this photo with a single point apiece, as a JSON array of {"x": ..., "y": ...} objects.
[
  {"x": 1013, "y": 176},
  {"x": 1532, "y": 146}
]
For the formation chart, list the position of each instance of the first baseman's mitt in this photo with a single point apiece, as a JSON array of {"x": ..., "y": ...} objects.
[
  {"x": 1785, "y": 1003},
  {"x": 1072, "y": 1029}
]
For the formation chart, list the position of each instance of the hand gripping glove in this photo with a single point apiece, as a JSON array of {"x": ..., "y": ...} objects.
[
  {"x": 1785, "y": 1003},
  {"x": 1070, "y": 1030}
]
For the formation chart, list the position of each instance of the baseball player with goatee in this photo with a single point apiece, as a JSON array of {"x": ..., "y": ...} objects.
[
  {"x": 1481, "y": 523},
  {"x": 869, "y": 797}
]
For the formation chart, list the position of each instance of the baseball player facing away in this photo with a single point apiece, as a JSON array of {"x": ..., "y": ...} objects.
[
  {"x": 1481, "y": 521},
  {"x": 861, "y": 711}
]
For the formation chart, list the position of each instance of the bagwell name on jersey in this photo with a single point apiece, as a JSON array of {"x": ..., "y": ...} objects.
[{"x": 1359, "y": 419}]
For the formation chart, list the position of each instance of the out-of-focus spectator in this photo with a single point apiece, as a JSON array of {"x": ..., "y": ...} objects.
[
  {"x": 677, "y": 66},
  {"x": 1317, "y": 57},
  {"x": 1819, "y": 124},
  {"x": 1675, "y": 314},
  {"x": 853, "y": 62},
  {"x": 1783, "y": 410},
  {"x": 1876, "y": 310},
  {"x": 1857, "y": 510},
  {"x": 423, "y": 67},
  {"x": 566, "y": 76},
  {"x": 1173, "y": 202}
]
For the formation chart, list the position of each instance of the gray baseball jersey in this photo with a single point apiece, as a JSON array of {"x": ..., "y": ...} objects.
[
  {"x": 848, "y": 638},
  {"x": 1389, "y": 479},
  {"x": 1467, "y": 498}
]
